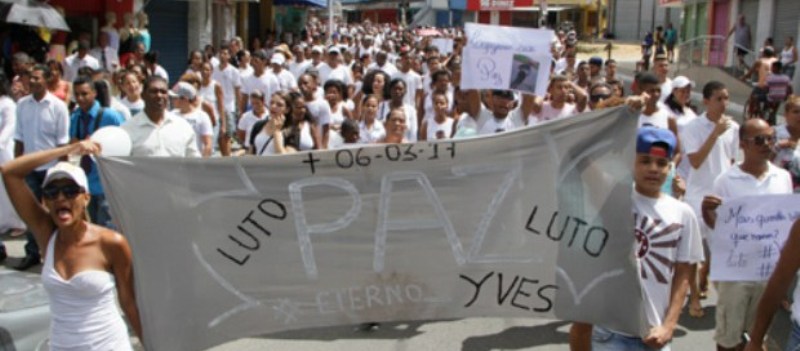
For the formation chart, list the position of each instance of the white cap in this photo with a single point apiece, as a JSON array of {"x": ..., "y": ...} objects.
[
  {"x": 66, "y": 170},
  {"x": 317, "y": 49},
  {"x": 278, "y": 58},
  {"x": 183, "y": 90},
  {"x": 681, "y": 82}
]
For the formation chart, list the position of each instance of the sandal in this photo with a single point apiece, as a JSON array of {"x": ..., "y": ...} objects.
[{"x": 695, "y": 309}]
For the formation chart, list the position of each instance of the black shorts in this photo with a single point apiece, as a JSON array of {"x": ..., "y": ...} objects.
[{"x": 670, "y": 46}]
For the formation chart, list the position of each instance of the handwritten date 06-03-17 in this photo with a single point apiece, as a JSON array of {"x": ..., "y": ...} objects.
[{"x": 363, "y": 157}]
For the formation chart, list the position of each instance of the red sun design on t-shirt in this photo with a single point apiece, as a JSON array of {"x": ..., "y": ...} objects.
[{"x": 654, "y": 239}]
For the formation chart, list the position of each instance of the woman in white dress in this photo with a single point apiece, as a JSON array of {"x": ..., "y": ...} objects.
[
  {"x": 9, "y": 220},
  {"x": 84, "y": 264}
]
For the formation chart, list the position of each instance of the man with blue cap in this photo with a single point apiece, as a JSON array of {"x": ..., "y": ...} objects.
[{"x": 667, "y": 244}]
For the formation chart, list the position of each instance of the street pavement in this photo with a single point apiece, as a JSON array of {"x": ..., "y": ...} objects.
[{"x": 471, "y": 334}]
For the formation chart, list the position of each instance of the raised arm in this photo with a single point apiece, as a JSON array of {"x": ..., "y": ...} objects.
[
  {"x": 30, "y": 210},
  {"x": 473, "y": 102}
]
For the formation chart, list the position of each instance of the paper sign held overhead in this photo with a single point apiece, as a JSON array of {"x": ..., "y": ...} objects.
[{"x": 506, "y": 58}]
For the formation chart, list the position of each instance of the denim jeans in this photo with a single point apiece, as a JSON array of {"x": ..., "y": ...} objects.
[
  {"x": 34, "y": 180},
  {"x": 606, "y": 340},
  {"x": 100, "y": 212}
]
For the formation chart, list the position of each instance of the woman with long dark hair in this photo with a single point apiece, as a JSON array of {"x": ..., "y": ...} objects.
[{"x": 303, "y": 133}]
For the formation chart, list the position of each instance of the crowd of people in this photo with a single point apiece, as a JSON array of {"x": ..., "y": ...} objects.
[{"x": 370, "y": 84}]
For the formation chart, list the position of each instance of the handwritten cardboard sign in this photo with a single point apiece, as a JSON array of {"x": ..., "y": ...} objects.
[
  {"x": 749, "y": 235},
  {"x": 531, "y": 223},
  {"x": 506, "y": 58}
]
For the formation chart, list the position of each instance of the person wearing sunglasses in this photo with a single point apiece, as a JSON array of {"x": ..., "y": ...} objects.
[
  {"x": 84, "y": 263},
  {"x": 598, "y": 93},
  {"x": 756, "y": 175}
]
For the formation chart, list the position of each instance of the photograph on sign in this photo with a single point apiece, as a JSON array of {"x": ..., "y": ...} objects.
[{"x": 524, "y": 70}]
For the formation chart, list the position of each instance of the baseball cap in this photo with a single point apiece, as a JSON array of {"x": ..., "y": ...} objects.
[
  {"x": 596, "y": 60},
  {"x": 317, "y": 49},
  {"x": 333, "y": 50},
  {"x": 278, "y": 59},
  {"x": 66, "y": 170},
  {"x": 183, "y": 90},
  {"x": 655, "y": 141},
  {"x": 682, "y": 82}
]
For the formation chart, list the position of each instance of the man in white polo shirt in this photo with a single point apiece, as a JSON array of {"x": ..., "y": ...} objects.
[
  {"x": 756, "y": 175},
  {"x": 42, "y": 124},
  {"x": 157, "y": 132}
]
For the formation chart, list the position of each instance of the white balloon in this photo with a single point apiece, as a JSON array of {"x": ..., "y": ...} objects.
[{"x": 113, "y": 140}]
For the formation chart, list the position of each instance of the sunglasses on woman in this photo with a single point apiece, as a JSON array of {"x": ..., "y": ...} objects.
[{"x": 69, "y": 191}]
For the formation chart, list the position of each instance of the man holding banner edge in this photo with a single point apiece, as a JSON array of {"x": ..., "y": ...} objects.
[{"x": 665, "y": 229}]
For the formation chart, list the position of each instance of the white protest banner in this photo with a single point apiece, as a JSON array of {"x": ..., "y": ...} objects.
[
  {"x": 532, "y": 223},
  {"x": 749, "y": 235},
  {"x": 498, "y": 57},
  {"x": 445, "y": 45}
]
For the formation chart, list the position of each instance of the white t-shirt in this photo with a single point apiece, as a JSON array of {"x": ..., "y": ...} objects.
[
  {"x": 267, "y": 84},
  {"x": 200, "y": 122},
  {"x": 665, "y": 228},
  {"x": 682, "y": 119},
  {"x": 229, "y": 79},
  {"x": 659, "y": 119},
  {"x": 319, "y": 109},
  {"x": 389, "y": 68},
  {"x": 428, "y": 102},
  {"x": 488, "y": 124},
  {"x": 286, "y": 80},
  {"x": 412, "y": 127},
  {"x": 298, "y": 69},
  {"x": 700, "y": 180},
  {"x": 371, "y": 135},
  {"x": 73, "y": 63},
  {"x": 440, "y": 130},
  {"x": 548, "y": 113},
  {"x": 413, "y": 84},
  {"x": 341, "y": 72},
  {"x": 666, "y": 89},
  {"x": 246, "y": 123},
  {"x": 133, "y": 107}
]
